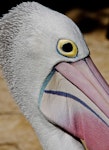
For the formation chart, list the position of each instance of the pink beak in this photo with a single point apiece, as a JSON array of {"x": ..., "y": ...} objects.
[{"x": 76, "y": 98}]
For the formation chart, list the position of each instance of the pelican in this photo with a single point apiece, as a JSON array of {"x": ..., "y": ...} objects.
[{"x": 49, "y": 71}]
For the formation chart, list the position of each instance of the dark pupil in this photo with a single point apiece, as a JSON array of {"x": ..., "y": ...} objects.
[{"x": 67, "y": 47}]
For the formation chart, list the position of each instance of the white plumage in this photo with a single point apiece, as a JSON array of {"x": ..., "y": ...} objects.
[
  {"x": 28, "y": 38},
  {"x": 28, "y": 32}
]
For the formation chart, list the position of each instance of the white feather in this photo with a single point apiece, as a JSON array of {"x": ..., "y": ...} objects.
[{"x": 28, "y": 37}]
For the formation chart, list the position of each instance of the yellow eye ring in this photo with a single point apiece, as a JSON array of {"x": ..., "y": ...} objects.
[{"x": 67, "y": 48}]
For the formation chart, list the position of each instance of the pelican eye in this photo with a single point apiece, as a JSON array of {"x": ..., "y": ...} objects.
[{"x": 67, "y": 48}]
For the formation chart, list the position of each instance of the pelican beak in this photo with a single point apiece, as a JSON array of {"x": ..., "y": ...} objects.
[{"x": 76, "y": 98}]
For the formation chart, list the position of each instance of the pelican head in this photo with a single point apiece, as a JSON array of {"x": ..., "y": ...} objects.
[{"x": 52, "y": 78}]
